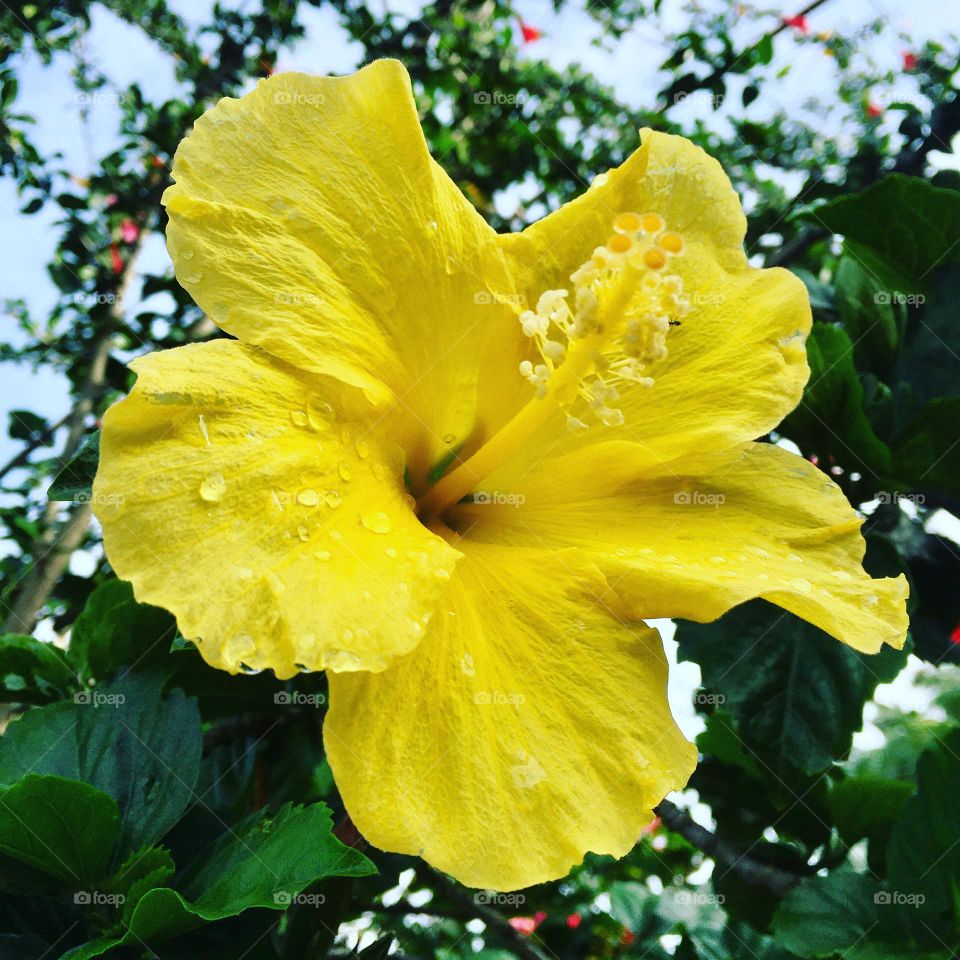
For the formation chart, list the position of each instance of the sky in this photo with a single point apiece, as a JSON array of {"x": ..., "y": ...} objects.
[{"x": 127, "y": 55}]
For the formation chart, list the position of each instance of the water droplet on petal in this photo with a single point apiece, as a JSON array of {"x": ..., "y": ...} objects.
[
  {"x": 213, "y": 487},
  {"x": 299, "y": 418},
  {"x": 343, "y": 468},
  {"x": 376, "y": 522},
  {"x": 186, "y": 253},
  {"x": 448, "y": 265},
  {"x": 391, "y": 552},
  {"x": 332, "y": 499},
  {"x": 303, "y": 533},
  {"x": 343, "y": 660},
  {"x": 320, "y": 414},
  {"x": 362, "y": 448},
  {"x": 308, "y": 497},
  {"x": 323, "y": 554}
]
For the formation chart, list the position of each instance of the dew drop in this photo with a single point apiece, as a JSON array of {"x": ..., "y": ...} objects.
[
  {"x": 802, "y": 585},
  {"x": 718, "y": 559},
  {"x": 299, "y": 418},
  {"x": 342, "y": 660},
  {"x": 449, "y": 438},
  {"x": 303, "y": 533},
  {"x": 336, "y": 535},
  {"x": 332, "y": 499},
  {"x": 194, "y": 276},
  {"x": 449, "y": 264},
  {"x": 391, "y": 552},
  {"x": 186, "y": 253},
  {"x": 213, "y": 487},
  {"x": 320, "y": 414},
  {"x": 376, "y": 522},
  {"x": 323, "y": 554},
  {"x": 343, "y": 468},
  {"x": 363, "y": 449},
  {"x": 308, "y": 497}
]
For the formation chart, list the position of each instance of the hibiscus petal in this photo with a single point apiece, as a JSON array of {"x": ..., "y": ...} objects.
[
  {"x": 309, "y": 219},
  {"x": 529, "y": 727},
  {"x": 736, "y": 364},
  {"x": 704, "y": 533},
  {"x": 249, "y": 499}
]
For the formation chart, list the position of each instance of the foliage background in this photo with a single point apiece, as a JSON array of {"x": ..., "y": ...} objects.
[{"x": 124, "y": 756}]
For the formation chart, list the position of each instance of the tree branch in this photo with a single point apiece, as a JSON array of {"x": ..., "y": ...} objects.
[{"x": 779, "y": 882}]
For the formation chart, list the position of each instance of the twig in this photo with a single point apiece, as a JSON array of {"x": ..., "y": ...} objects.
[{"x": 778, "y": 881}]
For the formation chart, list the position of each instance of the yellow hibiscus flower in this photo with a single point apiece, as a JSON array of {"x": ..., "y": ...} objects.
[{"x": 454, "y": 469}]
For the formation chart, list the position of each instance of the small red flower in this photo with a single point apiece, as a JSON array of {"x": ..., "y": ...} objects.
[
  {"x": 909, "y": 61},
  {"x": 530, "y": 34},
  {"x": 955, "y": 636},
  {"x": 799, "y": 23},
  {"x": 874, "y": 111},
  {"x": 574, "y": 920},
  {"x": 129, "y": 231},
  {"x": 627, "y": 937},
  {"x": 526, "y": 925},
  {"x": 116, "y": 261}
]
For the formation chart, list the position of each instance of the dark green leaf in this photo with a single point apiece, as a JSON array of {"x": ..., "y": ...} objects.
[
  {"x": 75, "y": 480},
  {"x": 32, "y": 671},
  {"x": 64, "y": 828},
  {"x": 796, "y": 693}
]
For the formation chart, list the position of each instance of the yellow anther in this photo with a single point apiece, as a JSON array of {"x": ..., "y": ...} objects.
[
  {"x": 619, "y": 243},
  {"x": 654, "y": 259},
  {"x": 627, "y": 223},
  {"x": 652, "y": 223},
  {"x": 671, "y": 242}
]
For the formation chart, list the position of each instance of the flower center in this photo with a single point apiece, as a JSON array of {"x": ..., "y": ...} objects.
[{"x": 608, "y": 333}]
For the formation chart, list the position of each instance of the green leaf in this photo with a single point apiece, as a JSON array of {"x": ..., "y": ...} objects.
[
  {"x": 115, "y": 631},
  {"x": 64, "y": 828},
  {"x": 75, "y": 480},
  {"x": 266, "y": 861},
  {"x": 25, "y": 425},
  {"x": 124, "y": 739},
  {"x": 32, "y": 671},
  {"x": 866, "y": 311},
  {"x": 847, "y": 914},
  {"x": 796, "y": 693},
  {"x": 923, "y": 856},
  {"x": 929, "y": 359},
  {"x": 928, "y": 456},
  {"x": 866, "y": 807},
  {"x": 831, "y": 420},
  {"x": 909, "y": 225}
]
